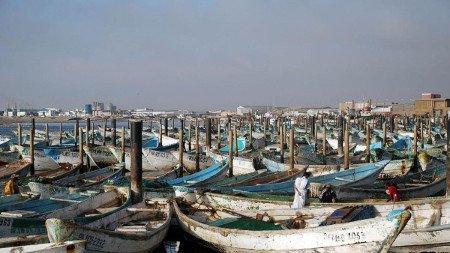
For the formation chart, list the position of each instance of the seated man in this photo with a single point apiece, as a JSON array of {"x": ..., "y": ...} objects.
[{"x": 328, "y": 195}]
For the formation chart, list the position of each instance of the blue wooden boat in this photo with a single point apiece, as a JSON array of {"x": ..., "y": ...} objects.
[
  {"x": 17, "y": 198},
  {"x": 241, "y": 143},
  {"x": 358, "y": 176},
  {"x": 29, "y": 218},
  {"x": 212, "y": 174}
]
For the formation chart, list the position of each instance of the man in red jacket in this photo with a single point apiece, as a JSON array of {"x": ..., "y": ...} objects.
[{"x": 391, "y": 190}]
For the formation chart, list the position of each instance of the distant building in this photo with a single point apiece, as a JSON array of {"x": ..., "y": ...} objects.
[
  {"x": 242, "y": 110},
  {"x": 88, "y": 109},
  {"x": 49, "y": 112},
  {"x": 426, "y": 96},
  {"x": 432, "y": 104}
]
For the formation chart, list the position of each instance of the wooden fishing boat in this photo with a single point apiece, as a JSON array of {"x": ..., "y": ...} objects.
[
  {"x": 60, "y": 247},
  {"x": 65, "y": 170},
  {"x": 138, "y": 228},
  {"x": 189, "y": 162},
  {"x": 207, "y": 176},
  {"x": 241, "y": 165},
  {"x": 21, "y": 168},
  {"x": 92, "y": 178},
  {"x": 101, "y": 156},
  {"x": 274, "y": 177},
  {"x": 63, "y": 156},
  {"x": 316, "y": 170},
  {"x": 17, "y": 198},
  {"x": 370, "y": 235},
  {"x": 241, "y": 144},
  {"x": 8, "y": 156},
  {"x": 151, "y": 160},
  {"x": 359, "y": 176},
  {"x": 29, "y": 218},
  {"x": 41, "y": 161},
  {"x": 239, "y": 178}
]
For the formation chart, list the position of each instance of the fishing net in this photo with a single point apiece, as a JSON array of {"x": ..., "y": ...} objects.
[{"x": 245, "y": 224}]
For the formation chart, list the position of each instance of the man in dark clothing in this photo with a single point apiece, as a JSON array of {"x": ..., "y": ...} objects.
[{"x": 328, "y": 195}]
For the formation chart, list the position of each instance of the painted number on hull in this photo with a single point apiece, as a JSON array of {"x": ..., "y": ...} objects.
[
  {"x": 93, "y": 241},
  {"x": 350, "y": 236}
]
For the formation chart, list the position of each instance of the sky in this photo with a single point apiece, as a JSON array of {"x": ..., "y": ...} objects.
[{"x": 207, "y": 55}]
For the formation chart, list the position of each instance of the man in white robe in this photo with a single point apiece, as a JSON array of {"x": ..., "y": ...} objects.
[{"x": 301, "y": 187}]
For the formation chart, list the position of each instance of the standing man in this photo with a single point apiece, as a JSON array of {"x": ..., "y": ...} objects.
[{"x": 301, "y": 187}]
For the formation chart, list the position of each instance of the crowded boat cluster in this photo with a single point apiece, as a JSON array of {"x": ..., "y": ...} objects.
[{"x": 311, "y": 183}]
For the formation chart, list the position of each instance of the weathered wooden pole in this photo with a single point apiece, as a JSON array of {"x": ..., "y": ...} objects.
[
  {"x": 88, "y": 161},
  {"x": 114, "y": 132},
  {"x": 415, "y": 147},
  {"x": 123, "y": 146},
  {"x": 230, "y": 153},
  {"x": 324, "y": 144},
  {"x": 189, "y": 137},
  {"x": 367, "y": 143},
  {"x": 180, "y": 152},
  {"x": 33, "y": 127},
  {"x": 136, "y": 161},
  {"x": 391, "y": 123},
  {"x": 75, "y": 134},
  {"x": 340, "y": 125},
  {"x": 235, "y": 141},
  {"x": 291, "y": 148},
  {"x": 251, "y": 132},
  {"x": 422, "y": 138},
  {"x": 80, "y": 150},
  {"x": 166, "y": 126},
  {"x": 208, "y": 133},
  {"x": 160, "y": 143},
  {"x": 447, "y": 121},
  {"x": 384, "y": 134},
  {"x": 19, "y": 134},
  {"x": 346, "y": 147},
  {"x": 60, "y": 133},
  {"x": 282, "y": 141},
  {"x": 104, "y": 132},
  {"x": 47, "y": 135},
  {"x": 396, "y": 125},
  {"x": 218, "y": 133},
  {"x": 265, "y": 130},
  {"x": 93, "y": 134},
  {"x": 88, "y": 128},
  {"x": 315, "y": 138},
  {"x": 430, "y": 140},
  {"x": 197, "y": 150}
]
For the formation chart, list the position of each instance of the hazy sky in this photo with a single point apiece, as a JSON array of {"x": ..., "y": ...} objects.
[{"x": 221, "y": 54}]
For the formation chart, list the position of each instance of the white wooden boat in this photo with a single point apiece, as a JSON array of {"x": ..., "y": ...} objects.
[
  {"x": 159, "y": 160},
  {"x": 146, "y": 165},
  {"x": 101, "y": 156},
  {"x": 189, "y": 161},
  {"x": 41, "y": 161},
  {"x": 370, "y": 235},
  {"x": 428, "y": 229},
  {"x": 138, "y": 228},
  {"x": 60, "y": 247},
  {"x": 241, "y": 165}
]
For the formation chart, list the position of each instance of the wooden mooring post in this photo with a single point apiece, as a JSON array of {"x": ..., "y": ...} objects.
[
  {"x": 180, "y": 152},
  {"x": 60, "y": 133},
  {"x": 136, "y": 161},
  {"x": 208, "y": 132},
  {"x": 324, "y": 144},
  {"x": 448, "y": 155},
  {"x": 281, "y": 141},
  {"x": 230, "y": 153},
  {"x": 291, "y": 148},
  {"x": 367, "y": 143},
  {"x": 218, "y": 134},
  {"x": 19, "y": 133},
  {"x": 80, "y": 150},
  {"x": 415, "y": 148},
  {"x": 251, "y": 132},
  {"x": 47, "y": 135},
  {"x": 123, "y": 145},
  {"x": 340, "y": 125},
  {"x": 197, "y": 150},
  {"x": 236, "y": 152},
  {"x": 32, "y": 131},
  {"x": 346, "y": 147},
  {"x": 104, "y": 132},
  {"x": 114, "y": 132},
  {"x": 189, "y": 136}
]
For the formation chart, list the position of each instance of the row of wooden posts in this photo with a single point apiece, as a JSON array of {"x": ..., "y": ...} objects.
[{"x": 280, "y": 125}]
